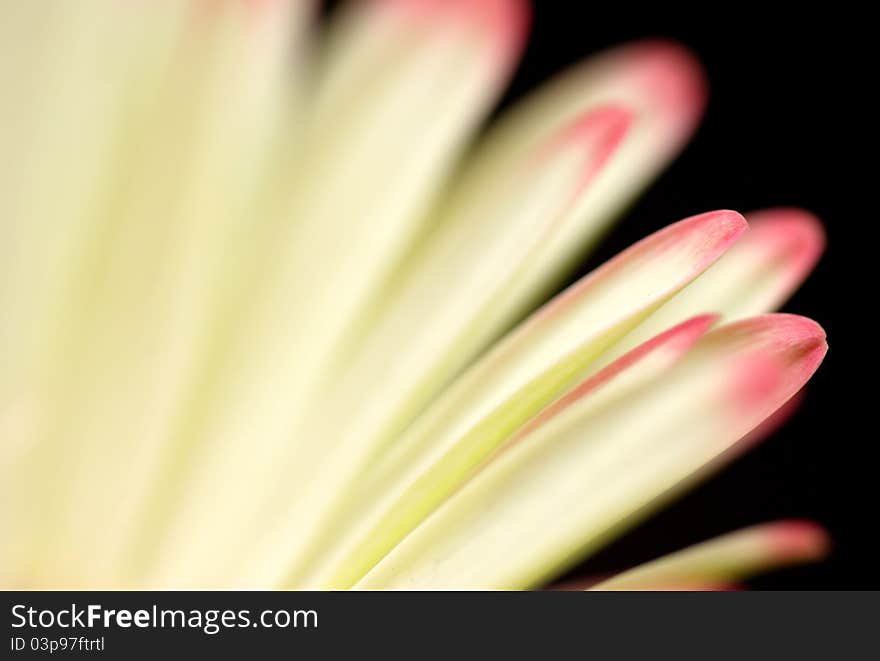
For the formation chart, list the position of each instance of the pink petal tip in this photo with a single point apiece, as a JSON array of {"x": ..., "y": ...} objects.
[
  {"x": 672, "y": 75},
  {"x": 705, "y": 237},
  {"x": 798, "y": 540},
  {"x": 507, "y": 22},
  {"x": 598, "y": 132},
  {"x": 677, "y": 340},
  {"x": 791, "y": 236},
  {"x": 785, "y": 350}
]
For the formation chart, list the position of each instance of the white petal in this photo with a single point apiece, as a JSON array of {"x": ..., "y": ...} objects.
[
  {"x": 756, "y": 276},
  {"x": 561, "y": 490},
  {"x": 727, "y": 559},
  {"x": 528, "y": 369},
  {"x": 407, "y": 485}
]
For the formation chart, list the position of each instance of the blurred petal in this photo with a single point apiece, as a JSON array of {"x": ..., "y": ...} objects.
[
  {"x": 403, "y": 87},
  {"x": 409, "y": 484},
  {"x": 61, "y": 126},
  {"x": 660, "y": 88},
  {"x": 728, "y": 559},
  {"x": 403, "y": 90},
  {"x": 560, "y": 491},
  {"x": 256, "y": 291},
  {"x": 506, "y": 232},
  {"x": 529, "y": 368},
  {"x": 91, "y": 70},
  {"x": 140, "y": 294},
  {"x": 450, "y": 303},
  {"x": 660, "y": 82}
]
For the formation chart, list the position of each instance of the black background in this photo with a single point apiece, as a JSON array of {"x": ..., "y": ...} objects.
[{"x": 784, "y": 126}]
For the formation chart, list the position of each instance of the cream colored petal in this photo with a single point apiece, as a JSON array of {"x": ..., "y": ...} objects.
[
  {"x": 441, "y": 308},
  {"x": 560, "y": 491},
  {"x": 186, "y": 129},
  {"x": 757, "y": 275},
  {"x": 728, "y": 559},
  {"x": 74, "y": 79},
  {"x": 404, "y": 86},
  {"x": 407, "y": 485},
  {"x": 532, "y": 366},
  {"x": 423, "y": 75}
]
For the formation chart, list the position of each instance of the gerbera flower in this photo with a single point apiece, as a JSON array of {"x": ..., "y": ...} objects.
[{"x": 264, "y": 296}]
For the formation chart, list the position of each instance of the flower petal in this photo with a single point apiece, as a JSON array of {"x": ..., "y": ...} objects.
[
  {"x": 191, "y": 129},
  {"x": 560, "y": 492},
  {"x": 660, "y": 88},
  {"x": 404, "y": 86},
  {"x": 474, "y": 274},
  {"x": 662, "y": 85},
  {"x": 728, "y": 559},
  {"x": 755, "y": 276},
  {"x": 88, "y": 69},
  {"x": 406, "y": 486},
  {"x": 539, "y": 187},
  {"x": 458, "y": 294},
  {"x": 533, "y": 365}
]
